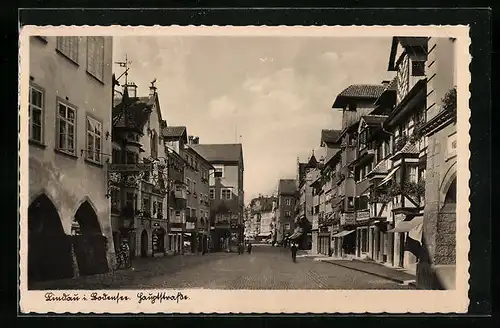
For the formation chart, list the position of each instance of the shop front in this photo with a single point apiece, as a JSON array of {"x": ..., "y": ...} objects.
[
  {"x": 176, "y": 238},
  {"x": 324, "y": 241}
]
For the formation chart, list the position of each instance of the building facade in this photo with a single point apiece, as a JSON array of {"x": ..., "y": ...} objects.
[
  {"x": 437, "y": 262},
  {"x": 137, "y": 176},
  {"x": 355, "y": 102},
  {"x": 287, "y": 196},
  {"x": 70, "y": 100},
  {"x": 176, "y": 139},
  {"x": 226, "y": 193},
  {"x": 197, "y": 174},
  {"x": 261, "y": 210}
]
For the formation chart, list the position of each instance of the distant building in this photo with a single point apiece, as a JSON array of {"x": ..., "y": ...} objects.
[
  {"x": 226, "y": 193},
  {"x": 262, "y": 217},
  {"x": 287, "y": 196},
  {"x": 70, "y": 101}
]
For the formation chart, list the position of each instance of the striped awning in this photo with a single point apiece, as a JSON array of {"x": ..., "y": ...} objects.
[{"x": 343, "y": 233}]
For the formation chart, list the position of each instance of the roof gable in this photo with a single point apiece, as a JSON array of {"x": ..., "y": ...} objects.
[
  {"x": 287, "y": 187},
  {"x": 368, "y": 92},
  {"x": 214, "y": 153},
  {"x": 329, "y": 136}
]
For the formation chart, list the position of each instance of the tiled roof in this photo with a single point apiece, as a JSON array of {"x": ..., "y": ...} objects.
[
  {"x": 374, "y": 119},
  {"x": 363, "y": 91},
  {"x": 173, "y": 131},
  {"x": 330, "y": 136},
  {"x": 312, "y": 162},
  {"x": 220, "y": 152},
  {"x": 380, "y": 168},
  {"x": 287, "y": 186},
  {"x": 302, "y": 171},
  {"x": 134, "y": 113},
  {"x": 409, "y": 148}
]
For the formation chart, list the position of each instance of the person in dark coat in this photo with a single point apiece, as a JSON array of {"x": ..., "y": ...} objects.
[
  {"x": 294, "y": 249},
  {"x": 249, "y": 248}
]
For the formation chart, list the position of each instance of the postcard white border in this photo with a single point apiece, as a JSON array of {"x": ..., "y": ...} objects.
[{"x": 267, "y": 301}]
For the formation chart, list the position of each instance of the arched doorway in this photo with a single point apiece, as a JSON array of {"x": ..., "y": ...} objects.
[
  {"x": 49, "y": 248},
  {"x": 144, "y": 243},
  {"x": 89, "y": 243}
]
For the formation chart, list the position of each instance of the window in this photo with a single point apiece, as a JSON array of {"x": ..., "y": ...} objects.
[
  {"x": 225, "y": 194},
  {"x": 288, "y": 214},
  {"x": 364, "y": 240},
  {"x": 411, "y": 173},
  {"x": 288, "y": 201},
  {"x": 115, "y": 156},
  {"x": 361, "y": 203},
  {"x": 219, "y": 171},
  {"x": 95, "y": 57},
  {"x": 362, "y": 139},
  {"x": 131, "y": 157},
  {"x": 68, "y": 46},
  {"x": 154, "y": 144},
  {"x": 146, "y": 204},
  {"x": 35, "y": 114},
  {"x": 418, "y": 68},
  {"x": 178, "y": 216},
  {"x": 154, "y": 207},
  {"x": 66, "y": 128},
  {"x": 160, "y": 209},
  {"x": 212, "y": 193},
  {"x": 194, "y": 186},
  {"x": 130, "y": 200},
  {"x": 94, "y": 140}
]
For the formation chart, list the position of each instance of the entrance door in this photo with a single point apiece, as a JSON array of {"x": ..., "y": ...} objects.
[
  {"x": 90, "y": 245},
  {"x": 144, "y": 243},
  {"x": 49, "y": 248}
]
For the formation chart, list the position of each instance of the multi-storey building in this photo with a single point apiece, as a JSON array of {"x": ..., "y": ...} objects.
[
  {"x": 226, "y": 193},
  {"x": 355, "y": 101},
  {"x": 137, "y": 174},
  {"x": 436, "y": 266},
  {"x": 197, "y": 174},
  {"x": 287, "y": 196},
  {"x": 176, "y": 138},
  {"x": 70, "y": 100},
  {"x": 261, "y": 210}
]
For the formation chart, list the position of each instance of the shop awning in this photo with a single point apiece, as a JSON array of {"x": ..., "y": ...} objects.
[
  {"x": 389, "y": 176},
  {"x": 264, "y": 234},
  {"x": 406, "y": 226},
  {"x": 343, "y": 233},
  {"x": 296, "y": 234}
]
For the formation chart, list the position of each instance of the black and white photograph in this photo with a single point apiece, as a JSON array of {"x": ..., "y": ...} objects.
[{"x": 171, "y": 161}]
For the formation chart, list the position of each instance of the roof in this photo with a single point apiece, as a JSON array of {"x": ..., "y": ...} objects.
[
  {"x": 416, "y": 43},
  {"x": 329, "y": 136},
  {"x": 312, "y": 162},
  {"x": 214, "y": 153},
  {"x": 132, "y": 112},
  {"x": 358, "y": 91},
  {"x": 333, "y": 156},
  {"x": 302, "y": 171},
  {"x": 380, "y": 168},
  {"x": 374, "y": 119},
  {"x": 174, "y": 131},
  {"x": 409, "y": 148},
  {"x": 190, "y": 148},
  {"x": 287, "y": 187}
]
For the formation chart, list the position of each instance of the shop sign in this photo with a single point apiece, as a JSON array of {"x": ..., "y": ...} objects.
[
  {"x": 176, "y": 229},
  {"x": 347, "y": 218},
  {"x": 361, "y": 216}
]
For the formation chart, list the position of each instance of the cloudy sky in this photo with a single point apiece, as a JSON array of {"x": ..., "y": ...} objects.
[{"x": 272, "y": 94}]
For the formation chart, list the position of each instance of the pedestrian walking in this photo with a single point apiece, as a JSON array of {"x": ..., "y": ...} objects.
[
  {"x": 294, "y": 249},
  {"x": 249, "y": 248}
]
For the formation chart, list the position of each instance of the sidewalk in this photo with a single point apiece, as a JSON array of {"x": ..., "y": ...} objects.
[{"x": 376, "y": 269}]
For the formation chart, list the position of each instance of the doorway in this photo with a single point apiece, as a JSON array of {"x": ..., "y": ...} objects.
[
  {"x": 49, "y": 248},
  {"x": 144, "y": 243}
]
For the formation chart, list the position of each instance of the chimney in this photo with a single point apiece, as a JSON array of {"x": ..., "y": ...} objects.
[
  {"x": 196, "y": 140},
  {"x": 190, "y": 140},
  {"x": 152, "y": 88},
  {"x": 131, "y": 89}
]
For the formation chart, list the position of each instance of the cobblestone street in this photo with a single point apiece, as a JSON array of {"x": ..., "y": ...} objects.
[{"x": 266, "y": 268}]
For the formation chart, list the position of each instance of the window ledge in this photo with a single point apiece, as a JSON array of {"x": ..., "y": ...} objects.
[
  {"x": 67, "y": 57},
  {"x": 95, "y": 77},
  {"x": 64, "y": 153},
  {"x": 37, "y": 144},
  {"x": 96, "y": 164}
]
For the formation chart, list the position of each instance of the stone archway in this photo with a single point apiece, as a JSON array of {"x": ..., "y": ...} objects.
[
  {"x": 446, "y": 227},
  {"x": 144, "y": 243},
  {"x": 49, "y": 248},
  {"x": 89, "y": 244}
]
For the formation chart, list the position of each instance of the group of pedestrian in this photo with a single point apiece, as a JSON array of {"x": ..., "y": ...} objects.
[{"x": 242, "y": 246}]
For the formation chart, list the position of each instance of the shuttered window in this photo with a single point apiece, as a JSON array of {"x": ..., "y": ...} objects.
[
  {"x": 95, "y": 57},
  {"x": 68, "y": 46}
]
